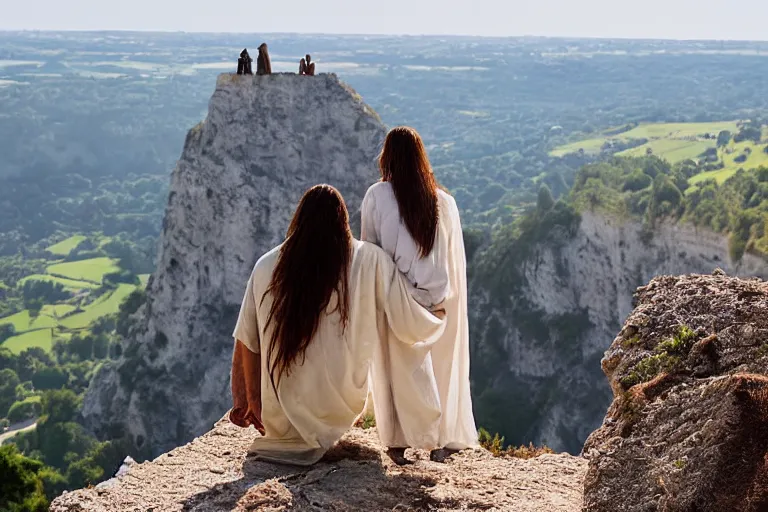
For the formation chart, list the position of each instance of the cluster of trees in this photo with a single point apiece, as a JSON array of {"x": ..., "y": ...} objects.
[
  {"x": 652, "y": 189},
  {"x": 58, "y": 455}
]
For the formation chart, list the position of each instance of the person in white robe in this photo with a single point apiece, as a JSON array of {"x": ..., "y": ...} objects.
[
  {"x": 438, "y": 281},
  {"x": 314, "y": 403}
]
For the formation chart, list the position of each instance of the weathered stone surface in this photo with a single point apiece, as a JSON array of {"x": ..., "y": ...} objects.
[
  {"x": 213, "y": 473},
  {"x": 688, "y": 426},
  {"x": 550, "y": 381},
  {"x": 266, "y": 139}
]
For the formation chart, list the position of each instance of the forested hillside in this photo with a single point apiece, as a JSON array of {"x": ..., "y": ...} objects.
[{"x": 91, "y": 125}]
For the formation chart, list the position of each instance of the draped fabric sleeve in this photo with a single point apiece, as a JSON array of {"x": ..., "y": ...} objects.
[
  {"x": 406, "y": 401},
  {"x": 410, "y": 322},
  {"x": 368, "y": 227},
  {"x": 247, "y": 328}
]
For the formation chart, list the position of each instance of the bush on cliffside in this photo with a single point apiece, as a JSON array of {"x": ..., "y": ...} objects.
[{"x": 651, "y": 190}]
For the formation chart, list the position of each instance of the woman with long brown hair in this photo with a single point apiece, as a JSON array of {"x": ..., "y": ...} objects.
[
  {"x": 315, "y": 309},
  {"x": 417, "y": 223}
]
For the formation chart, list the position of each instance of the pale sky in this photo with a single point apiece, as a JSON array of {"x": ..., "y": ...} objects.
[{"x": 667, "y": 19}]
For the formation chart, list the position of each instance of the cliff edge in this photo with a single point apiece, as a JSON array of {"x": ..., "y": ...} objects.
[
  {"x": 688, "y": 426},
  {"x": 213, "y": 473},
  {"x": 265, "y": 140}
]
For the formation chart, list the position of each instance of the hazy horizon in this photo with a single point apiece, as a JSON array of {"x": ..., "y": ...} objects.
[{"x": 598, "y": 19}]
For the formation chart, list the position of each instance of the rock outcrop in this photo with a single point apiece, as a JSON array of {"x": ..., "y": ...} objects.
[
  {"x": 688, "y": 426},
  {"x": 213, "y": 473},
  {"x": 266, "y": 139},
  {"x": 545, "y": 339}
]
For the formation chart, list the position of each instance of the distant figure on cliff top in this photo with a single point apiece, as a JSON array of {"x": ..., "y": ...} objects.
[
  {"x": 307, "y": 334},
  {"x": 244, "y": 63},
  {"x": 263, "y": 64},
  {"x": 306, "y": 66}
]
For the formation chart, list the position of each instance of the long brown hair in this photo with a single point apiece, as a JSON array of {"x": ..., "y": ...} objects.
[
  {"x": 312, "y": 267},
  {"x": 404, "y": 163}
]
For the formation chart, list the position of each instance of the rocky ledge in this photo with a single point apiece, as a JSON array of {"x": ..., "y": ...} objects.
[
  {"x": 688, "y": 426},
  {"x": 213, "y": 473}
]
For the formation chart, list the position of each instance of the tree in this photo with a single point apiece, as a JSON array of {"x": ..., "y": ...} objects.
[
  {"x": 723, "y": 138},
  {"x": 8, "y": 382},
  {"x": 24, "y": 410},
  {"x": 21, "y": 489},
  {"x": 749, "y": 132},
  {"x": 545, "y": 201},
  {"x": 50, "y": 377},
  {"x": 637, "y": 180},
  {"x": 30, "y": 361},
  {"x": 7, "y": 359},
  {"x": 6, "y": 331},
  {"x": 60, "y": 405}
]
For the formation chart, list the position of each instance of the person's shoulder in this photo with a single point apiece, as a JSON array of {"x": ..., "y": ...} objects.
[
  {"x": 447, "y": 199},
  {"x": 267, "y": 262},
  {"x": 379, "y": 188},
  {"x": 369, "y": 253}
]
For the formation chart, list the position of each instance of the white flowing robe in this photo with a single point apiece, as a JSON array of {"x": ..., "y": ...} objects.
[
  {"x": 443, "y": 365},
  {"x": 320, "y": 399}
]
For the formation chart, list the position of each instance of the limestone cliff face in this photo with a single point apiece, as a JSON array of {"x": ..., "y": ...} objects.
[
  {"x": 550, "y": 386},
  {"x": 266, "y": 139},
  {"x": 688, "y": 426}
]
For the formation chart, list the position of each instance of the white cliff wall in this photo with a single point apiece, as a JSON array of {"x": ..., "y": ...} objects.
[
  {"x": 560, "y": 393},
  {"x": 266, "y": 139}
]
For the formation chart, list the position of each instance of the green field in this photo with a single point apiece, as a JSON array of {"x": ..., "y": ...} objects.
[
  {"x": 68, "y": 284},
  {"x": 758, "y": 157},
  {"x": 53, "y": 323},
  {"x": 64, "y": 247},
  {"x": 684, "y": 134},
  {"x": 104, "y": 305},
  {"x": 60, "y": 321},
  {"x": 673, "y": 150},
  {"x": 676, "y": 142},
  {"x": 42, "y": 338},
  {"x": 92, "y": 270},
  {"x": 22, "y": 321}
]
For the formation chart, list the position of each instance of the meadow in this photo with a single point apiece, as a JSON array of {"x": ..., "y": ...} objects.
[
  {"x": 91, "y": 298},
  {"x": 92, "y": 270},
  {"x": 676, "y": 142}
]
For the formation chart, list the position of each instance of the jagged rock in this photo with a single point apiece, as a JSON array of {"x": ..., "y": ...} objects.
[
  {"x": 688, "y": 426},
  {"x": 213, "y": 473},
  {"x": 266, "y": 139},
  {"x": 541, "y": 342}
]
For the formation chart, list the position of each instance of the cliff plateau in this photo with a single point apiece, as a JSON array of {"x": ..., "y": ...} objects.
[
  {"x": 265, "y": 140},
  {"x": 213, "y": 473}
]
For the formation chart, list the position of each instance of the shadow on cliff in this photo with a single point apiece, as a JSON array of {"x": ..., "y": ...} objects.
[{"x": 349, "y": 477}]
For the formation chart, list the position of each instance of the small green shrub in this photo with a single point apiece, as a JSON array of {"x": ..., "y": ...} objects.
[
  {"x": 680, "y": 343},
  {"x": 649, "y": 368}
]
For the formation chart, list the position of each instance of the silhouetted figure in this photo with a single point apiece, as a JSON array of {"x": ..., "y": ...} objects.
[
  {"x": 306, "y": 66},
  {"x": 244, "y": 63},
  {"x": 263, "y": 64}
]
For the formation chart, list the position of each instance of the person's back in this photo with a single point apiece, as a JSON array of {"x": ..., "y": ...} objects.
[
  {"x": 418, "y": 225},
  {"x": 307, "y": 405},
  {"x": 382, "y": 225}
]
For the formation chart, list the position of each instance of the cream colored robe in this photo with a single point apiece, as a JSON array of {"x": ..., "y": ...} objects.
[
  {"x": 320, "y": 399},
  {"x": 442, "y": 366}
]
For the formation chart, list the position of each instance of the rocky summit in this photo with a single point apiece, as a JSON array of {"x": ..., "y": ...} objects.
[
  {"x": 688, "y": 426},
  {"x": 265, "y": 140},
  {"x": 213, "y": 473}
]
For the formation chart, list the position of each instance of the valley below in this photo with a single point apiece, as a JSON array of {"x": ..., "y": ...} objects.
[{"x": 122, "y": 263}]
